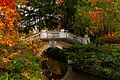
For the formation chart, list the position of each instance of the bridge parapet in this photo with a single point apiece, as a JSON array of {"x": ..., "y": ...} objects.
[
  {"x": 35, "y": 36},
  {"x": 59, "y": 35}
]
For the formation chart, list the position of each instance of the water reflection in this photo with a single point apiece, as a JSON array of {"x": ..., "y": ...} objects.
[
  {"x": 60, "y": 71},
  {"x": 56, "y": 68},
  {"x": 73, "y": 74}
]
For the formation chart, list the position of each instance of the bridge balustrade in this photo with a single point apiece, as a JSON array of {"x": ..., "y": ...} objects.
[
  {"x": 35, "y": 36},
  {"x": 55, "y": 34},
  {"x": 73, "y": 37}
]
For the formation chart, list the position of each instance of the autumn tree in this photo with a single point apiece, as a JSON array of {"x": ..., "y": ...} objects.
[
  {"x": 97, "y": 18},
  {"x": 8, "y": 18}
]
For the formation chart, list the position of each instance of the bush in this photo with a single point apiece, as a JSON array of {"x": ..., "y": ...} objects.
[
  {"x": 20, "y": 64},
  {"x": 102, "y": 60}
]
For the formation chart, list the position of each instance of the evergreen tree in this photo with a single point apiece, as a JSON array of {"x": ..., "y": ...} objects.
[{"x": 40, "y": 14}]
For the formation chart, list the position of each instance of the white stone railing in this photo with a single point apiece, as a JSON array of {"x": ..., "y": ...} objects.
[
  {"x": 57, "y": 34},
  {"x": 74, "y": 37},
  {"x": 35, "y": 36}
]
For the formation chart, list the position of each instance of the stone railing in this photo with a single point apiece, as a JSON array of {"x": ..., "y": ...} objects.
[
  {"x": 57, "y": 34},
  {"x": 35, "y": 36}
]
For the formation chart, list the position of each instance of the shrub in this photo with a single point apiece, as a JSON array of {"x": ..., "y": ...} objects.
[
  {"x": 102, "y": 60},
  {"x": 21, "y": 64}
]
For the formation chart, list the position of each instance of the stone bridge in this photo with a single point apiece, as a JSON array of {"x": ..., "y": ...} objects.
[{"x": 58, "y": 38}]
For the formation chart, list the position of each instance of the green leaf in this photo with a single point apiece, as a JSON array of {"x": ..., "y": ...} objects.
[
  {"x": 118, "y": 1},
  {"x": 1, "y": 77}
]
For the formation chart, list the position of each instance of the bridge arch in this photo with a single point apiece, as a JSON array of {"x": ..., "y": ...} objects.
[
  {"x": 54, "y": 53},
  {"x": 59, "y": 35},
  {"x": 57, "y": 39},
  {"x": 56, "y": 43},
  {"x": 56, "y": 63}
]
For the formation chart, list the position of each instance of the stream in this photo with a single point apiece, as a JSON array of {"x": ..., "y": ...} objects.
[
  {"x": 72, "y": 75},
  {"x": 56, "y": 68},
  {"x": 62, "y": 71}
]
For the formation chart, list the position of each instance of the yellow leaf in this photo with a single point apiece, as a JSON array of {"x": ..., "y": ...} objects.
[
  {"x": 5, "y": 60},
  {"x": 10, "y": 44}
]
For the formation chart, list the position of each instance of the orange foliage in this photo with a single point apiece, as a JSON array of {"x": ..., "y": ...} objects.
[
  {"x": 95, "y": 15},
  {"x": 8, "y": 16},
  {"x": 5, "y": 60},
  {"x": 112, "y": 38},
  {"x": 94, "y": 1},
  {"x": 22, "y": 1}
]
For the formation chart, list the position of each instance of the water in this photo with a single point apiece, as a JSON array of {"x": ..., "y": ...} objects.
[
  {"x": 72, "y": 75},
  {"x": 62, "y": 71},
  {"x": 58, "y": 69}
]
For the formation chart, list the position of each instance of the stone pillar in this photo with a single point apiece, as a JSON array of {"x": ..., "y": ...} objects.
[
  {"x": 50, "y": 44},
  {"x": 85, "y": 40},
  {"x": 62, "y": 34},
  {"x": 43, "y": 34}
]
